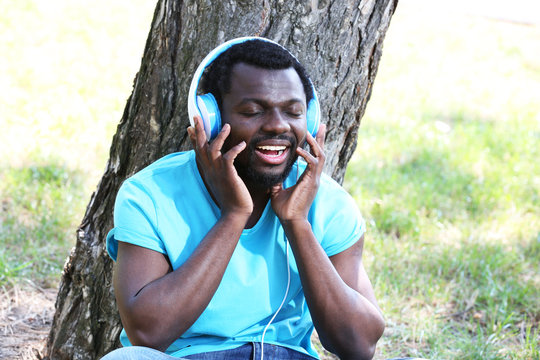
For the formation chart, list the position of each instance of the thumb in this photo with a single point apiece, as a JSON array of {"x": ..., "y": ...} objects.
[{"x": 276, "y": 189}]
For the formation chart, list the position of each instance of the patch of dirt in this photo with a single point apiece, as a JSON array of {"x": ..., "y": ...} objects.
[
  {"x": 26, "y": 315},
  {"x": 25, "y": 319}
]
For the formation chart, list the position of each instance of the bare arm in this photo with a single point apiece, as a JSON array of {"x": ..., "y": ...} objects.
[
  {"x": 337, "y": 289},
  {"x": 157, "y": 305},
  {"x": 339, "y": 295}
]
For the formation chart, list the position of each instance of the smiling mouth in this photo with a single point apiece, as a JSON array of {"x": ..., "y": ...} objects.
[
  {"x": 272, "y": 154},
  {"x": 271, "y": 150}
]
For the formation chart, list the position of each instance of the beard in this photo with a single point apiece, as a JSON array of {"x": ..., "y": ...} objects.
[{"x": 266, "y": 180}]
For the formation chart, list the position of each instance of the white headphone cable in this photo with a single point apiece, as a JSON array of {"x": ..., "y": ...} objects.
[
  {"x": 282, "y": 302},
  {"x": 288, "y": 278}
]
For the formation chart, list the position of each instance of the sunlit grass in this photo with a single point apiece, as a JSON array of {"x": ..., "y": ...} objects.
[
  {"x": 66, "y": 71},
  {"x": 40, "y": 210},
  {"x": 447, "y": 174}
]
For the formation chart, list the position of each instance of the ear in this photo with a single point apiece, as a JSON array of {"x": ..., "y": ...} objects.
[{"x": 209, "y": 110}]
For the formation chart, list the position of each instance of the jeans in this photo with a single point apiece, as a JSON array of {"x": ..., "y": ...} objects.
[{"x": 249, "y": 351}]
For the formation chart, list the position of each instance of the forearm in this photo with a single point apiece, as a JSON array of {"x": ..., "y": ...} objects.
[
  {"x": 165, "y": 308},
  {"x": 348, "y": 323}
]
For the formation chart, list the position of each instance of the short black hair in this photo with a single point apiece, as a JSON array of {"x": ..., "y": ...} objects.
[{"x": 264, "y": 54}]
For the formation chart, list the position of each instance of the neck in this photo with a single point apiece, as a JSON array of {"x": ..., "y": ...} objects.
[{"x": 260, "y": 197}]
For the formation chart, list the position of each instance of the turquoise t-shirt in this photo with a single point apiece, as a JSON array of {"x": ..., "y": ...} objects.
[{"x": 167, "y": 208}]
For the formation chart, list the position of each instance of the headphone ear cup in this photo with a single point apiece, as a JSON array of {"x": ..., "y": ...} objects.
[
  {"x": 210, "y": 115},
  {"x": 313, "y": 117}
]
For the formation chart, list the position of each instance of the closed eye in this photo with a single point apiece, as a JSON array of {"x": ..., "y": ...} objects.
[
  {"x": 250, "y": 113},
  {"x": 294, "y": 110},
  {"x": 295, "y": 114}
]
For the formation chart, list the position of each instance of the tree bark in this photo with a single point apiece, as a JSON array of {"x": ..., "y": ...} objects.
[{"x": 339, "y": 42}]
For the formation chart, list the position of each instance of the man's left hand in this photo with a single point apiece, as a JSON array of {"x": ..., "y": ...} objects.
[{"x": 293, "y": 203}]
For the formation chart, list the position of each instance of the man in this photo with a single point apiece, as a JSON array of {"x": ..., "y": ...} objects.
[{"x": 201, "y": 238}]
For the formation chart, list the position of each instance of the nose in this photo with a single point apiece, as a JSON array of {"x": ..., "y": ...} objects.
[{"x": 275, "y": 122}]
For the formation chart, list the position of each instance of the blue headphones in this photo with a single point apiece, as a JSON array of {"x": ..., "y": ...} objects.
[{"x": 207, "y": 108}]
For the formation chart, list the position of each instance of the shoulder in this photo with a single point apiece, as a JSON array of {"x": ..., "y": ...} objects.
[
  {"x": 143, "y": 198},
  {"x": 164, "y": 174},
  {"x": 334, "y": 216},
  {"x": 330, "y": 192},
  {"x": 164, "y": 167},
  {"x": 156, "y": 183},
  {"x": 328, "y": 184},
  {"x": 333, "y": 199}
]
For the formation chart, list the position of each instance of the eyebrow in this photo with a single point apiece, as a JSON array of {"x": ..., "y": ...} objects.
[{"x": 264, "y": 102}]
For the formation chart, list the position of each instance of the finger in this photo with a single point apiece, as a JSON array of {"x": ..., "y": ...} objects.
[
  {"x": 199, "y": 140},
  {"x": 276, "y": 189},
  {"x": 315, "y": 164},
  {"x": 218, "y": 142},
  {"x": 321, "y": 134},
  {"x": 313, "y": 145},
  {"x": 200, "y": 135},
  {"x": 310, "y": 159},
  {"x": 191, "y": 134},
  {"x": 193, "y": 138},
  {"x": 234, "y": 151}
]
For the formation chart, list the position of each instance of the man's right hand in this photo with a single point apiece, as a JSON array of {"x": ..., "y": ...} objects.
[
  {"x": 158, "y": 303},
  {"x": 218, "y": 171}
]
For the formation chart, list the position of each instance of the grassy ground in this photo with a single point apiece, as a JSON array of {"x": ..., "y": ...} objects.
[
  {"x": 66, "y": 71},
  {"x": 446, "y": 171}
]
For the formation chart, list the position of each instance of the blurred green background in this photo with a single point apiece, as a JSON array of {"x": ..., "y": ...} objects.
[{"x": 446, "y": 172}]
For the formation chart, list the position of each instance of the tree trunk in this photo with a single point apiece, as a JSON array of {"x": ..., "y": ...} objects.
[{"x": 339, "y": 42}]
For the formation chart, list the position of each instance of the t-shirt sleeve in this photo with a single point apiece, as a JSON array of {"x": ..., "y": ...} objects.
[
  {"x": 343, "y": 224},
  {"x": 135, "y": 220}
]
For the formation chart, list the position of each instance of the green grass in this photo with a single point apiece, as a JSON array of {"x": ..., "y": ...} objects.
[
  {"x": 447, "y": 175},
  {"x": 446, "y": 170},
  {"x": 66, "y": 71},
  {"x": 41, "y": 207}
]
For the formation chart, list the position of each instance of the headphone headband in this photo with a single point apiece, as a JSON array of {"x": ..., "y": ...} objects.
[{"x": 206, "y": 106}]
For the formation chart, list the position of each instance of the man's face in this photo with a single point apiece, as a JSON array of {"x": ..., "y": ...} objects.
[{"x": 267, "y": 110}]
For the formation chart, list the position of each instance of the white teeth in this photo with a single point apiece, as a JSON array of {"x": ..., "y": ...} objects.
[
  {"x": 272, "y": 148},
  {"x": 278, "y": 154}
]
